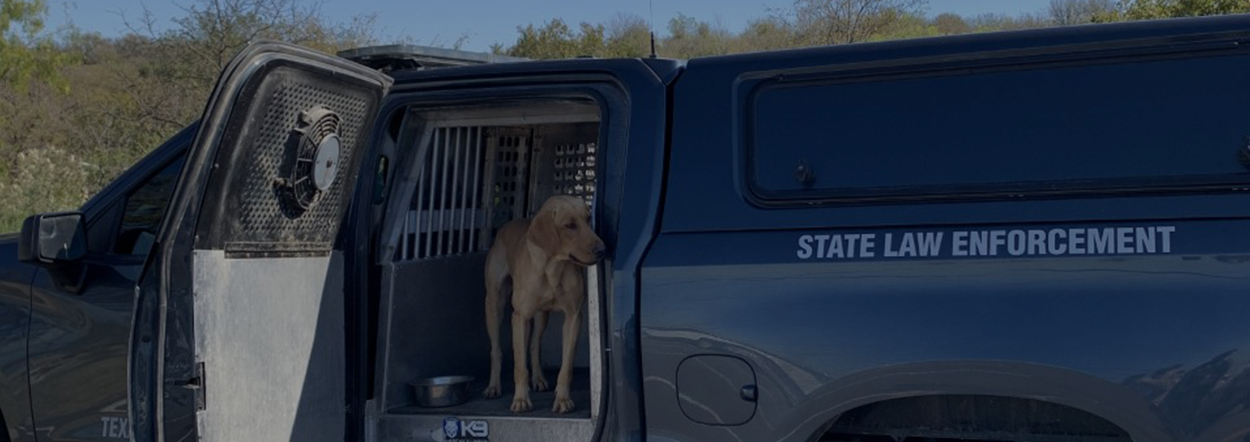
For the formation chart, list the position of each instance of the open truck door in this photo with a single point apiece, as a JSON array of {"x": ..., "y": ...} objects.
[{"x": 239, "y": 329}]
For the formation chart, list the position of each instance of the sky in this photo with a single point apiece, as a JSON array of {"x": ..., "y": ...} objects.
[{"x": 483, "y": 22}]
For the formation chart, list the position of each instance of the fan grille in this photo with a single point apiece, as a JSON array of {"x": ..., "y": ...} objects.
[
  {"x": 315, "y": 162},
  {"x": 261, "y": 217}
]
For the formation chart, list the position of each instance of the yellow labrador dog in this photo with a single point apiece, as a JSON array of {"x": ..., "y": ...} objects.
[{"x": 539, "y": 263}]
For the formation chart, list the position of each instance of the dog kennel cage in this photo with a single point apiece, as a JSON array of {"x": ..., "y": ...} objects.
[
  {"x": 479, "y": 178},
  {"x": 473, "y": 173}
]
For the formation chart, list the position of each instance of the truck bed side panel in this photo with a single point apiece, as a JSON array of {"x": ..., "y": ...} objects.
[{"x": 1150, "y": 337}]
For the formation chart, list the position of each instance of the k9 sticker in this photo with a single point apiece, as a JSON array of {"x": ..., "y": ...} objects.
[{"x": 456, "y": 430}]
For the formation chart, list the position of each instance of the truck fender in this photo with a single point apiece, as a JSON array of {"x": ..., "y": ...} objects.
[{"x": 1097, "y": 396}]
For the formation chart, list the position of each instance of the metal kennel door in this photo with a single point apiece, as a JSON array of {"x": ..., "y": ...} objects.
[{"x": 239, "y": 327}]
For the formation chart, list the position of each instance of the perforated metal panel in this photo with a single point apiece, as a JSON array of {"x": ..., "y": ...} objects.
[
  {"x": 575, "y": 170},
  {"x": 262, "y": 149},
  {"x": 260, "y": 213},
  {"x": 565, "y": 161},
  {"x": 510, "y": 153}
]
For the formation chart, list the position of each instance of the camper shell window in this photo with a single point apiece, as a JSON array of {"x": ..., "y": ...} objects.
[{"x": 1001, "y": 131}]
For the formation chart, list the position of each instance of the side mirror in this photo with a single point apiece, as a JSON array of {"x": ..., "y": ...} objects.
[{"x": 52, "y": 239}]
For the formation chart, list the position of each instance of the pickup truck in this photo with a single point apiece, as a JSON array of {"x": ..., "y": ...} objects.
[{"x": 1039, "y": 235}]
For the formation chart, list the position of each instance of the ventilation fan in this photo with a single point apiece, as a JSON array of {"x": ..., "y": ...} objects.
[{"x": 315, "y": 162}]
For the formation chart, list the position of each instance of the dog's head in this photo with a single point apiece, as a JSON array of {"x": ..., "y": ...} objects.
[{"x": 562, "y": 229}]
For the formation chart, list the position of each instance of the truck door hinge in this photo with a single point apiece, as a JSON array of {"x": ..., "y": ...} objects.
[{"x": 197, "y": 384}]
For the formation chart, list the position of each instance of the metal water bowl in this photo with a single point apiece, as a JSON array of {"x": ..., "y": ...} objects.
[{"x": 442, "y": 391}]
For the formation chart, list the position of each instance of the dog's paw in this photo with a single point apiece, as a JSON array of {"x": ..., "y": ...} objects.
[
  {"x": 492, "y": 391},
  {"x": 521, "y": 404},
  {"x": 562, "y": 405},
  {"x": 538, "y": 382}
]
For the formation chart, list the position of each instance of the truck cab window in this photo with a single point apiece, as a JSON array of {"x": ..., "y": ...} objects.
[{"x": 144, "y": 208}]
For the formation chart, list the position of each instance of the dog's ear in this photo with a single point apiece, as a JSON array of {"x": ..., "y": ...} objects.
[{"x": 543, "y": 231}]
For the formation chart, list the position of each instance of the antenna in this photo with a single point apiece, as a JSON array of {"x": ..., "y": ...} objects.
[
  {"x": 651, "y": 19},
  {"x": 651, "y": 25}
]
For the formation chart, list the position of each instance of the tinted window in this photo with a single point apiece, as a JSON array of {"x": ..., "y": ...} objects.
[
  {"x": 1102, "y": 126},
  {"x": 144, "y": 208}
]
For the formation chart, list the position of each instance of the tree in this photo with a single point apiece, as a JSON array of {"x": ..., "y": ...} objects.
[
  {"x": 1156, "y": 9},
  {"x": 1002, "y": 22},
  {"x": 41, "y": 180},
  {"x": 29, "y": 80},
  {"x": 689, "y": 38},
  {"x": 949, "y": 24},
  {"x": 908, "y": 26},
  {"x": 26, "y": 55},
  {"x": 683, "y": 26},
  {"x": 768, "y": 33},
  {"x": 131, "y": 92},
  {"x": 628, "y": 36},
  {"x": 211, "y": 32},
  {"x": 168, "y": 73},
  {"x": 825, "y": 22},
  {"x": 553, "y": 40},
  {"x": 1075, "y": 12}
]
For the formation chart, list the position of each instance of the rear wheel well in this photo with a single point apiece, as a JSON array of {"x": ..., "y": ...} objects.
[{"x": 970, "y": 418}]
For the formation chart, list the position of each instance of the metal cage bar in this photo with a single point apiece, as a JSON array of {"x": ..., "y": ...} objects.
[
  {"x": 457, "y": 195},
  {"x": 444, "y": 223},
  {"x": 413, "y": 225},
  {"x": 476, "y": 178},
  {"x": 477, "y": 168},
  {"x": 426, "y": 234}
]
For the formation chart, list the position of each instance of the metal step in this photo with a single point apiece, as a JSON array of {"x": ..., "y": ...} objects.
[{"x": 437, "y": 428}]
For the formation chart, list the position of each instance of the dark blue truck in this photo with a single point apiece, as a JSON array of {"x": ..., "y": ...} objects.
[{"x": 1023, "y": 236}]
